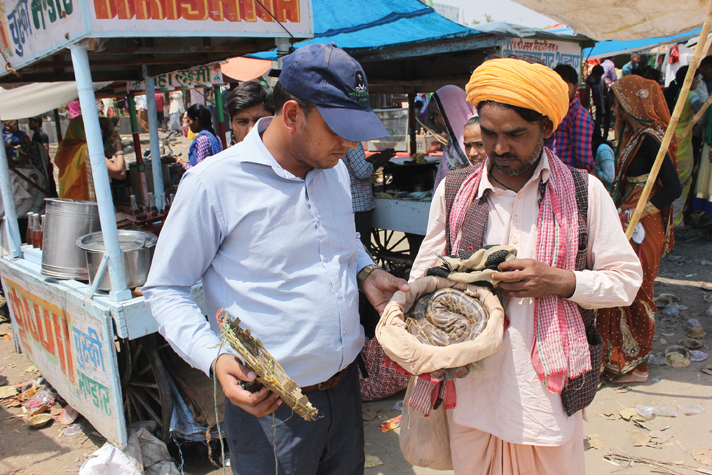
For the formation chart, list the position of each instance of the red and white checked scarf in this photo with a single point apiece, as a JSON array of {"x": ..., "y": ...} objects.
[{"x": 560, "y": 351}]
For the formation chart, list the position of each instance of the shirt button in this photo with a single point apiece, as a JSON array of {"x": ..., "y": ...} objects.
[
  {"x": 515, "y": 240},
  {"x": 519, "y": 196},
  {"x": 318, "y": 220},
  {"x": 323, "y": 258},
  {"x": 497, "y": 192},
  {"x": 344, "y": 332},
  {"x": 516, "y": 218},
  {"x": 339, "y": 295}
]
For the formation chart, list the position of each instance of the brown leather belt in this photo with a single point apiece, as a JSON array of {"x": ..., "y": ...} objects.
[{"x": 328, "y": 384}]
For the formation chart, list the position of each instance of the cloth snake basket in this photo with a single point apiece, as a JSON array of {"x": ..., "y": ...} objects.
[
  {"x": 425, "y": 440},
  {"x": 411, "y": 351}
]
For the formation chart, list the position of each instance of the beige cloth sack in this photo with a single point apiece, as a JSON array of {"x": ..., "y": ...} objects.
[
  {"x": 418, "y": 358},
  {"x": 425, "y": 441}
]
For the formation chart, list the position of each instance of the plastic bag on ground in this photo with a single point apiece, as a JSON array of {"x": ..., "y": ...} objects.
[
  {"x": 664, "y": 411},
  {"x": 697, "y": 355},
  {"x": 691, "y": 409},
  {"x": 646, "y": 412},
  {"x": 143, "y": 455},
  {"x": 657, "y": 359}
]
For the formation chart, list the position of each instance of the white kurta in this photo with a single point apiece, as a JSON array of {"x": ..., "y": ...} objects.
[{"x": 507, "y": 399}]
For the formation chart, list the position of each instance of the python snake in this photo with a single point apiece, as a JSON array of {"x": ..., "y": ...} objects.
[{"x": 447, "y": 316}]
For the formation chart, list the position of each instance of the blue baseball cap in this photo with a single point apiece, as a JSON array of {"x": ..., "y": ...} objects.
[{"x": 327, "y": 76}]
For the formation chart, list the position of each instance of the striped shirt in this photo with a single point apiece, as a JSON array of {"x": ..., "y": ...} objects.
[
  {"x": 571, "y": 140},
  {"x": 360, "y": 172}
]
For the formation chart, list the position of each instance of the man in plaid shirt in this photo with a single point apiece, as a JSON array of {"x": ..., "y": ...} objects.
[
  {"x": 360, "y": 171},
  {"x": 571, "y": 141}
]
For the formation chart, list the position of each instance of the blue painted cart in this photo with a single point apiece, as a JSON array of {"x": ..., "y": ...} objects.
[{"x": 90, "y": 346}]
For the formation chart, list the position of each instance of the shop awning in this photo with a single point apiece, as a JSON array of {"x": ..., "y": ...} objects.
[
  {"x": 377, "y": 24},
  {"x": 245, "y": 69},
  {"x": 35, "y": 99},
  {"x": 604, "y": 49},
  {"x": 623, "y": 20}
]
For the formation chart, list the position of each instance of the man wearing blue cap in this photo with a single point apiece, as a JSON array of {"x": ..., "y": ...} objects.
[{"x": 268, "y": 227}]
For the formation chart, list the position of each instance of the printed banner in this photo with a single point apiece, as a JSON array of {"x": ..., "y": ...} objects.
[
  {"x": 550, "y": 52},
  {"x": 201, "y": 76}
]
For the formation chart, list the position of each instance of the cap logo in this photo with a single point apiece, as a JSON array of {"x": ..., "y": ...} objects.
[
  {"x": 360, "y": 92},
  {"x": 360, "y": 83}
]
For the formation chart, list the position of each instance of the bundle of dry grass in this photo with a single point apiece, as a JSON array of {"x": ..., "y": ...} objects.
[{"x": 269, "y": 372}]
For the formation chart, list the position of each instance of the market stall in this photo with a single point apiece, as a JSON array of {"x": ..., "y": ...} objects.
[
  {"x": 407, "y": 48},
  {"x": 68, "y": 328}
]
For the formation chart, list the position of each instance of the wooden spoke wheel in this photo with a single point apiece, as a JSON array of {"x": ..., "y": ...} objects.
[
  {"x": 392, "y": 251},
  {"x": 144, "y": 384}
]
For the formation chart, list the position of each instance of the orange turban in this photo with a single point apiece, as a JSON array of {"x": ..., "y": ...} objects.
[{"x": 519, "y": 83}]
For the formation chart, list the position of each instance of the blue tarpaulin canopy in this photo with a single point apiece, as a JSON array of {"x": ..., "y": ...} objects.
[
  {"x": 377, "y": 24},
  {"x": 405, "y": 46},
  {"x": 604, "y": 49}
]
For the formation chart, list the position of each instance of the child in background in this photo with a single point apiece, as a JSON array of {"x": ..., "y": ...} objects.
[{"x": 474, "y": 147}]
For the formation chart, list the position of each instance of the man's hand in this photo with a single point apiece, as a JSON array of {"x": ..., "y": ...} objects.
[
  {"x": 229, "y": 372},
  {"x": 531, "y": 278},
  {"x": 380, "y": 286}
]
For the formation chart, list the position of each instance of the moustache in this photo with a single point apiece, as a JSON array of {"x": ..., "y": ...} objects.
[{"x": 505, "y": 156}]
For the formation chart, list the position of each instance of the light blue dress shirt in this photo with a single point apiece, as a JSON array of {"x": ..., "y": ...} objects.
[{"x": 277, "y": 251}]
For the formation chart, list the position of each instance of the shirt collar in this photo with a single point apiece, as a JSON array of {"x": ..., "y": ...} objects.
[
  {"x": 259, "y": 154},
  {"x": 541, "y": 174}
]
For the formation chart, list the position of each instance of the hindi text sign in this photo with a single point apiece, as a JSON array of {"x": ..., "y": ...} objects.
[
  {"x": 550, "y": 52},
  {"x": 72, "y": 347}
]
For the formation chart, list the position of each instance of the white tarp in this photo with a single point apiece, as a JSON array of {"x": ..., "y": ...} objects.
[
  {"x": 35, "y": 99},
  {"x": 624, "y": 20}
]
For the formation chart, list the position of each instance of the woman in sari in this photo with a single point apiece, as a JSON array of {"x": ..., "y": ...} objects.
[
  {"x": 685, "y": 160},
  {"x": 703, "y": 189},
  {"x": 451, "y": 111},
  {"x": 75, "y": 175},
  {"x": 628, "y": 332}
]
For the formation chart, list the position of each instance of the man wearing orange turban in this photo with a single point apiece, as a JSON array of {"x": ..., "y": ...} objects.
[{"x": 523, "y": 413}]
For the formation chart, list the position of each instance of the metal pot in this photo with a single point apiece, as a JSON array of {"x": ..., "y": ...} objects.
[
  {"x": 136, "y": 253},
  {"x": 65, "y": 221}
]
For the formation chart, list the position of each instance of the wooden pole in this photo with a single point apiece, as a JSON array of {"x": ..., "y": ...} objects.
[
  {"x": 696, "y": 118},
  {"x": 671, "y": 127}
]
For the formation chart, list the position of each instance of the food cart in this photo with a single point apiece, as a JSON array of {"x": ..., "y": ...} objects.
[{"x": 98, "y": 349}]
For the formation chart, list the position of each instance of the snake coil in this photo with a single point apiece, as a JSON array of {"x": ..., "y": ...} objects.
[{"x": 447, "y": 316}]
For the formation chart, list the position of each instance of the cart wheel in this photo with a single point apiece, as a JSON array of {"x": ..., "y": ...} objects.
[
  {"x": 391, "y": 250},
  {"x": 144, "y": 384}
]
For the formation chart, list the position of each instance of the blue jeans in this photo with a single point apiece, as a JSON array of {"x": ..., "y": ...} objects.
[{"x": 333, "y": 444}]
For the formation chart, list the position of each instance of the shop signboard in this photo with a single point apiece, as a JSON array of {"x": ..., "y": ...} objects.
[
  {"x": 550, "y": 52},
  {"x": 202, "y": 76},
  {"x": 35, "y": 29},
  {"x": 233, "y": 18},
  {"x": 72, "y": 344}
]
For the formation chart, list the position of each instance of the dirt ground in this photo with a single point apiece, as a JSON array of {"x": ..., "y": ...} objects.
[{"x": 671, "y": 439}]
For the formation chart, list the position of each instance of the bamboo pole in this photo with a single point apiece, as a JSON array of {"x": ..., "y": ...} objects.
[
  {"x": 671, "y": 127},
  {"x": 696, "y": 118}
]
